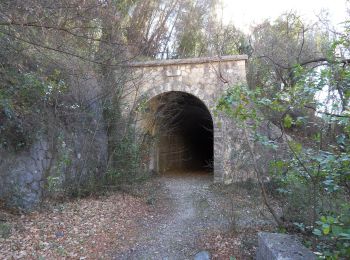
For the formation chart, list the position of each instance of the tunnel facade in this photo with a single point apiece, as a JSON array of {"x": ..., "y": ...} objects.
[{"x": 182, "y": 96}]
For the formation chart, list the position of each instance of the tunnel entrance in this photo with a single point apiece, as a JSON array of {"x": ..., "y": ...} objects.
[{"x": 183, "y": 131}]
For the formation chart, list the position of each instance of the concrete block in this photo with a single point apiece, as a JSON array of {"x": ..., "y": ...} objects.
[{"x": 274, "y": 246}]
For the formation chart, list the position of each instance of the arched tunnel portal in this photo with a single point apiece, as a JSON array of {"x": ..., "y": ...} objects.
[{"x": 182, "y": 128}]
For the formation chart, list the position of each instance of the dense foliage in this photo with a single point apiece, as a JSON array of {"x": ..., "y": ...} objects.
[{"x": 310, "y": 105}]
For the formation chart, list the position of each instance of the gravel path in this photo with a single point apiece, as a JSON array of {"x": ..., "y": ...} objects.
[
  {"x": 190, "y": 213},
  {"x": 192, "y": 207}
]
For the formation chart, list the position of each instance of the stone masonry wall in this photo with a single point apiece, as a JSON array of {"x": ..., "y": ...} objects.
[
  {"x": 205, "y": 78},
  {"x": 22, "y": 175},
  {"x": 67, "y": 151}
]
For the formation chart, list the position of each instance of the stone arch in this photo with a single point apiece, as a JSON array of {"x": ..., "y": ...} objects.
[
  {"x": 161, "y": 89},
  {"x": 206, "y": 79},
  {"x": 207, "y": 101}
]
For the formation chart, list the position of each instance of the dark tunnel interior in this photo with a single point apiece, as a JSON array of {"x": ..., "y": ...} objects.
[{"x": 185, "y": 128}]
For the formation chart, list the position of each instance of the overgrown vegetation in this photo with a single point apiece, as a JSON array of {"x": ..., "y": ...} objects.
[{"x": 312, "y": 179}]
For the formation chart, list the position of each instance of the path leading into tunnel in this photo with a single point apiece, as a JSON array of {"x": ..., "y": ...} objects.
[{"x": 191, "y": 213}]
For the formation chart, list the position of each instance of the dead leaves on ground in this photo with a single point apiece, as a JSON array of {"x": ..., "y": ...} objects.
[
  {"x": 240, "y": 244},
  {"x": 88, "y": 228}
]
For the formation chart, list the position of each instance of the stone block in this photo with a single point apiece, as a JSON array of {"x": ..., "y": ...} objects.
[
  {"x": 274, "y": 246},
  {"x": 203, "y": 255}
]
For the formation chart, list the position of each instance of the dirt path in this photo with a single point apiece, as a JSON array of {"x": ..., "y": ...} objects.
[
  {"x": 192, "y": 211},
  {"x": 185, "y": 221}
]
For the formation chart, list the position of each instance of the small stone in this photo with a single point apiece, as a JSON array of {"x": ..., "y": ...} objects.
[
  {"x": 26, "y": 177},
  {"x": 203, "y": 255},
  {"x": 59, "y": 234},
  {"x": 35, "y": 186}
]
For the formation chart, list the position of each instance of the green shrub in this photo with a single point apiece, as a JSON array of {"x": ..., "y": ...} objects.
[
  {"x": 24, "y": 96},
  {"x": 5, "y": 230},
  {"x": 333, "y": 232},
  {"x": 313, "y": 181}
]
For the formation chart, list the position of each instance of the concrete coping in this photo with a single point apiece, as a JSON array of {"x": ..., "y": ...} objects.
[{"x": 200, "y": 60}]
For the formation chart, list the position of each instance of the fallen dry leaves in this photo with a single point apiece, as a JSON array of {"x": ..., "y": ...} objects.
[
  {"x": 222, "y": 246},
  {"x": 90, "y": 228},
  {"x": 238, "y": 245}
]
